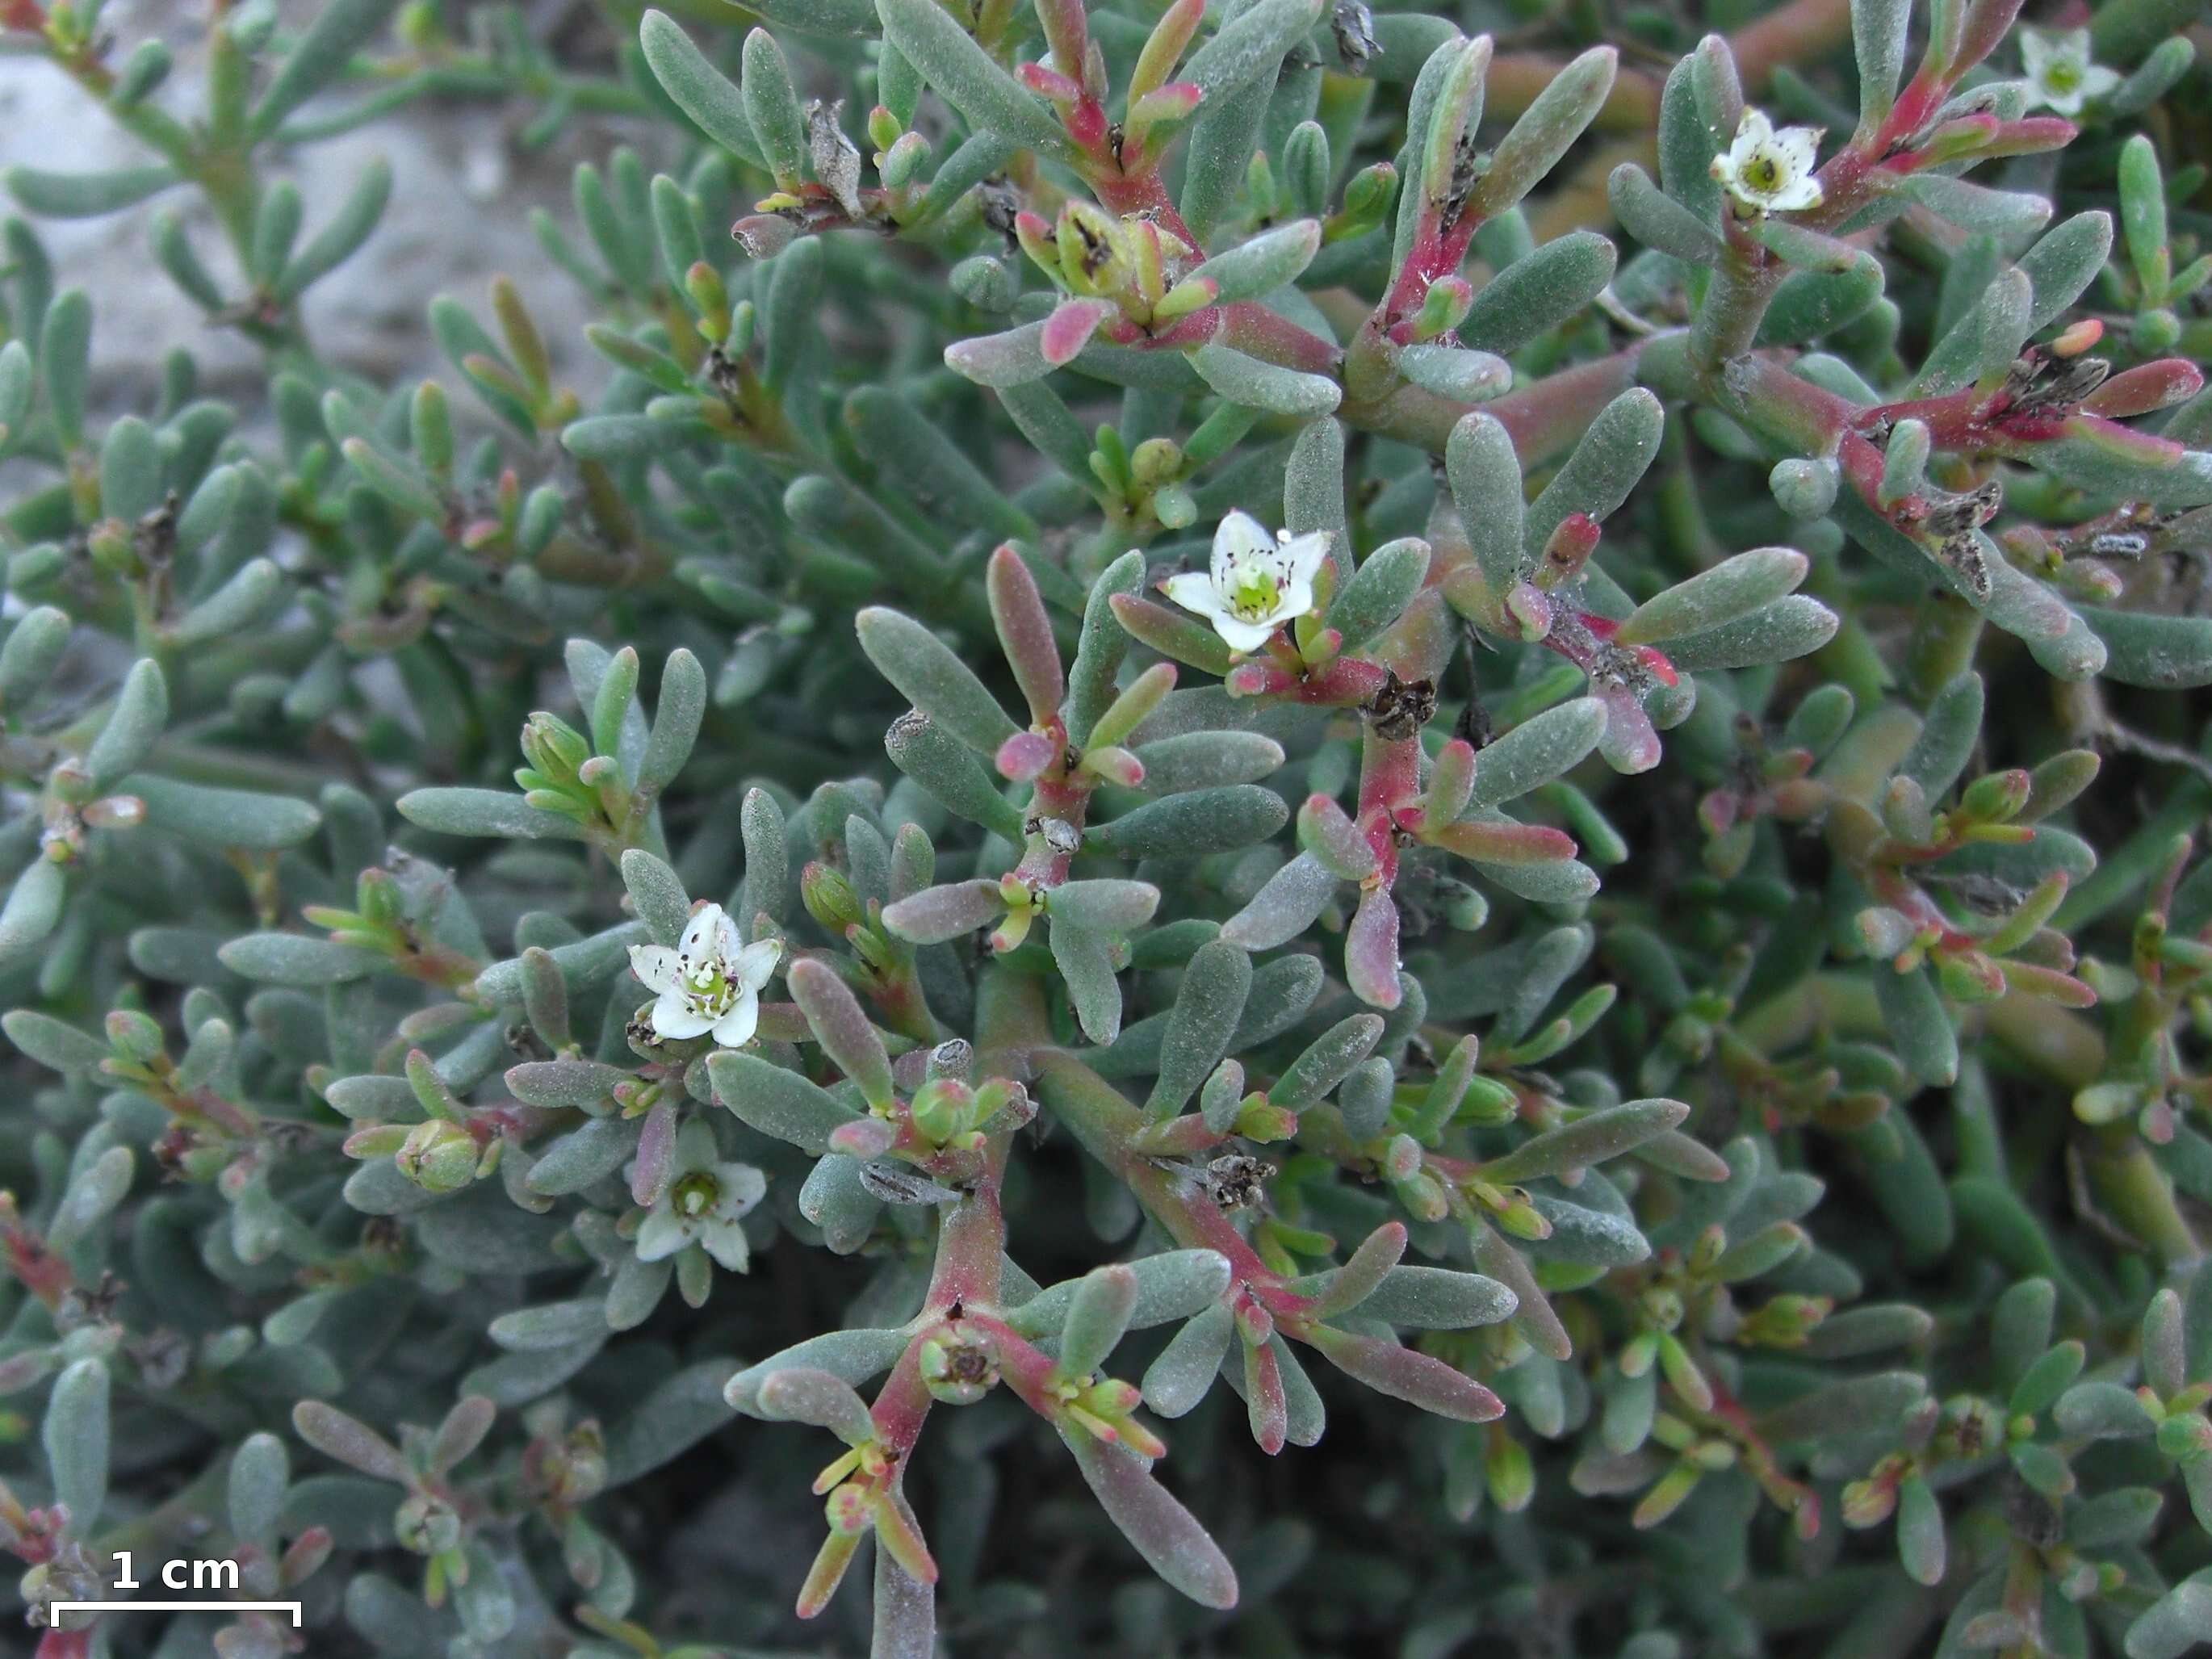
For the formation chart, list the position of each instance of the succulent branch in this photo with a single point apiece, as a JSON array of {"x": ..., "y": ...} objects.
[{"x": 1263, "y": 695}]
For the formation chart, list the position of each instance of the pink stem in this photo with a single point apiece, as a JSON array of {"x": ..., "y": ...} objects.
[{"x": 1389, "y": 778}]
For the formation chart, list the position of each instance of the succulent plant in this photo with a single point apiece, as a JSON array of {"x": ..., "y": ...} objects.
[{"x": 1478, "y": 724}]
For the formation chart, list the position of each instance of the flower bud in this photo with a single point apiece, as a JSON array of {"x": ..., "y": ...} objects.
[
  {"x": 1996, "y": 797},
  {"x": 556, "y": 748},
  {"x": 1707, "y": 1248},
  {"x": 438, "y": 1156},
  {"x": 426, "y": 1525},
  {"x": 134, "y": 1036},
  {"x": 904, "y": 160},
  {"x": 2186, "y": 1438},
  {"x": 1969, "y": 977},
  {"x": 941, "y": 1110},
  {"x": 1487, "y": 1103},
  {"x": 849, "y": 1510},
  {"x": 1522, "y": 1219},
  {"x": 1443, "y": 308},
  {"x": 1110, "y": 1396},
  {"x": 830, "y": 897},
  {"x": 376, "y": 898},
  {"x": 1368, "y": 196},
  {"x": 2155, "y": 332},
  {"x": 1804, "y": 489},
  {"x": 1868, "y": 1502},
  {"x": 1259, "y": 1120},
  {"x": 1155, "y": 461}
]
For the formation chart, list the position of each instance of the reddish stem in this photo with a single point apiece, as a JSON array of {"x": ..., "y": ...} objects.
[{"x": 1390, "y": 779}]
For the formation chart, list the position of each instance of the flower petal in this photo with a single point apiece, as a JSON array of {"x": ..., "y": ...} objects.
[
  {"x": 654, "y": 966},
  {"x": 726, "y": 942},
  {"x": 736, "y": 1028},
  {"x": 1241, "y": 635},
  {"x": 1238, "y": 539},
  {"x": 1753, "y": 130},
  {"x": 698, "y": 938},
  {"x": 726, "y": 1244},
  {"x": 1796, "y": 196},
  {"x": 743, "y": 1186},
  {"x": 672, "y": 1017},
  {"x": 1799, "y": 148},
  {"x": 1297, "y": 599},
  {"x": 2097, "y": 80},
  {"x": 752, "y": 966},
  {"x": 1195, "y": 591},
  {"x": 663, "y": 1234},
  {"x": 1305, "y": 554},
  {"x": 2035, "y": 52}
]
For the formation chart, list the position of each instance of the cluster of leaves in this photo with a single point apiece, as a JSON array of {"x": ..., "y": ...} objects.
[{"x": 1656, "y": 933}]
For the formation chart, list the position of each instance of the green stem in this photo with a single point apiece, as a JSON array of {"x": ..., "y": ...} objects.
[{"x": 1727, "y": 322}]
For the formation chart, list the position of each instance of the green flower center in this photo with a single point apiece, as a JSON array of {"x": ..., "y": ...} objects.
[
  {"x": 1254, "y": 592},
  {"x": 707, "y": 988},
  {"x": 695, "y": 1194},
  {"x": 1764, "y": 173},
  {"x": 2063, "y": 75}
]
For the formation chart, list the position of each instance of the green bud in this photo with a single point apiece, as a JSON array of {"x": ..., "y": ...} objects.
[
  {"x": 1996, "y": 797},
  {"x": 553, "y": 747},
  {"x": 941, "y": 1110},
  {"x": 1368, "y": 196},
  {"x": 135, "y": 1037},
  {"x": 438, "y": 1156},
  {"x": 2186, "y": 1437},
  {"x": 426, "y": 1525},
  {"x": 830, "y": 898}
]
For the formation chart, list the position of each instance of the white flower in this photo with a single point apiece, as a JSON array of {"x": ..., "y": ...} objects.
[
  {"x": 1256, "y": 585},
  {"x": 2059, "y": 72},
  {"x": 708, "y": 983},
  {"x": 1771, "y": 172},
  {"x": 703, "y": 1204}
]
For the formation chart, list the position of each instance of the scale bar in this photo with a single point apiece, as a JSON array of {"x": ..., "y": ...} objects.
[{"x": 61, "y": 1608}]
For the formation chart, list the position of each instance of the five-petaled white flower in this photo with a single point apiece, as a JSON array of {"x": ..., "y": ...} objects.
[
  {"x": 1256, "y": 584},
  {"x": 703, "y": 1204},
  {"x": 1771, "y": 172},
  {"x": 2059, "y": 72},
  {"x": 708, "y": 983}
]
